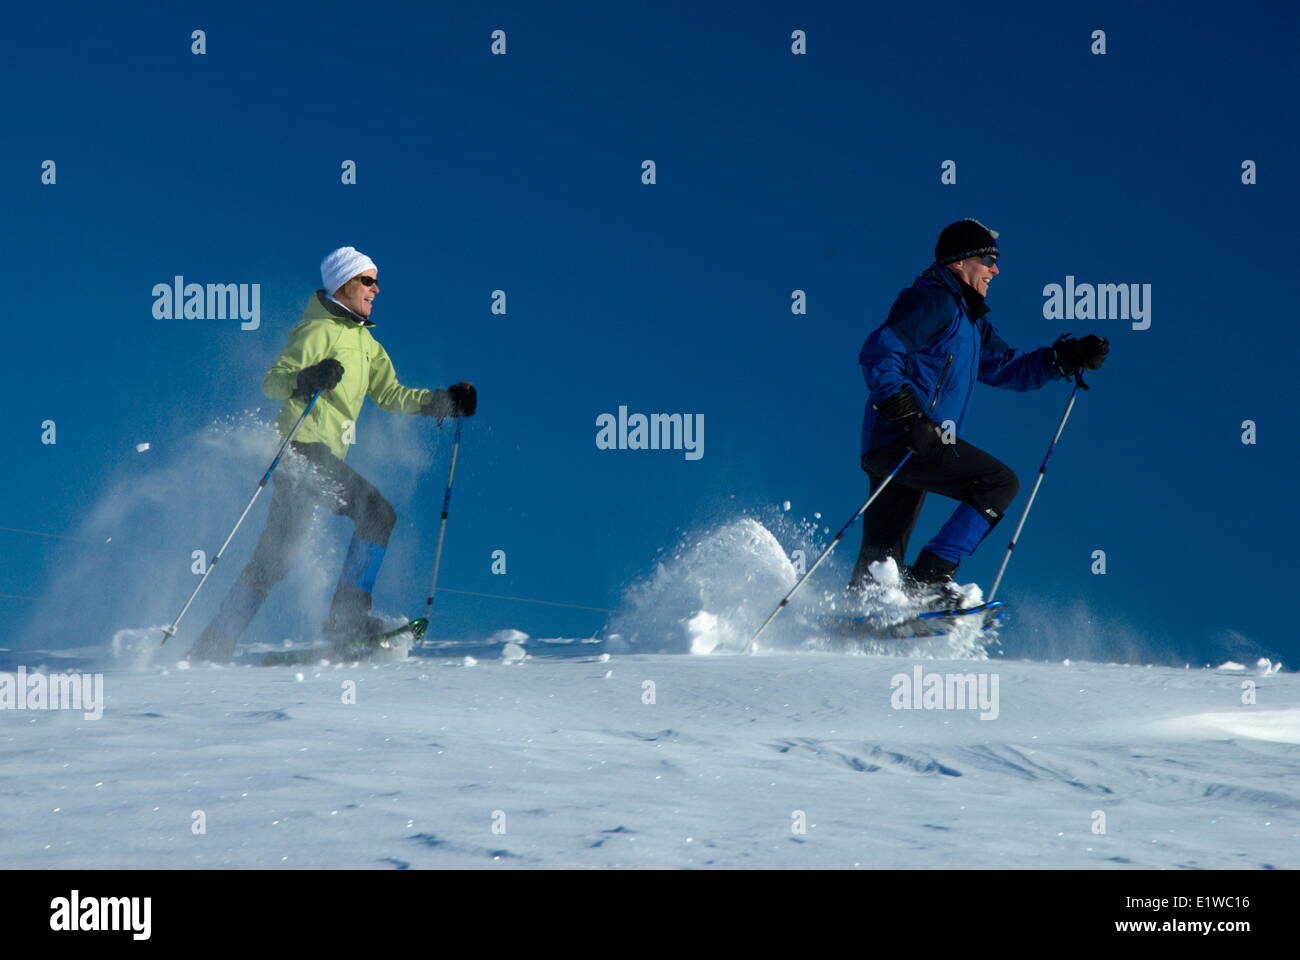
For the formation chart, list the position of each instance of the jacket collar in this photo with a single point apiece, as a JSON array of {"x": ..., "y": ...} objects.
[
  {"x": 959, "y": 288},
  {"x": 334, "y": 308}
]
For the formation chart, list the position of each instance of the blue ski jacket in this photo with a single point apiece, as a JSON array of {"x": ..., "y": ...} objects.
[{"x": 937, "y": 343}]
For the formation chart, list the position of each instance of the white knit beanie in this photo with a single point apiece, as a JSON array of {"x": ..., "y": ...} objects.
[{"x": 341, "y": 266}]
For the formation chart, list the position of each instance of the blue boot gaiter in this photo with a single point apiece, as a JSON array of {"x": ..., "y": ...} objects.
[{"x": 959, "y": 537}]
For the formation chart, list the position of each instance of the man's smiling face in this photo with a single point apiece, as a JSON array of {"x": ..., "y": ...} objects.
[{"x": 977, "y": 272}]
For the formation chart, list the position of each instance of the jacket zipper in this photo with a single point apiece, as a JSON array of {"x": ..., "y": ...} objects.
[{"x": 939, "y": 385}]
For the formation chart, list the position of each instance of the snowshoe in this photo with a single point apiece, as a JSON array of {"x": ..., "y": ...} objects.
[
  {"x": 355, "y": 648},
  {"x": 928, "y": 623}
]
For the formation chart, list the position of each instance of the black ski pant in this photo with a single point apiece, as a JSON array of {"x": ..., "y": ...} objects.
[{"x": 958, "y": 470}]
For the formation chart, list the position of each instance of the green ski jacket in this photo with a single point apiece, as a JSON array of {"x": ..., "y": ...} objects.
[{"x": 329, "y": 330}]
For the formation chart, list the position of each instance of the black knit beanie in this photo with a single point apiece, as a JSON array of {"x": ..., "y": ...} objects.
[{"x": 965, "y": 238}]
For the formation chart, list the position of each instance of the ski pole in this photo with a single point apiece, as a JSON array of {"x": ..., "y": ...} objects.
[
  {"x": 442, "y": 526},
  {"x": 170, "y": 631},
  {"x": 827, "y": 552},
  {"x": 1037, "y": 483}
]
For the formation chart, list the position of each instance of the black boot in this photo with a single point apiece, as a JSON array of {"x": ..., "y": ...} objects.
[
  {"x": 349, "y": 620},
  {"x": 931, "y": 583}
]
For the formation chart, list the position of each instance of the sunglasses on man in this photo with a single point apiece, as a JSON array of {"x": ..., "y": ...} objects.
[
  {"x": 367, "y": 281},
  {"x": 988, "y": 260}
]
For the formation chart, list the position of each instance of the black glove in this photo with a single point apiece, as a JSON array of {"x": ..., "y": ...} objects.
[
  {"x": 921, "y": 434},
  {"x": 465, "y": 397},
  {"x": 458, "y": 400},
  {"x": 1070, "y": 355},
  {"x": 323, "y": 376}
]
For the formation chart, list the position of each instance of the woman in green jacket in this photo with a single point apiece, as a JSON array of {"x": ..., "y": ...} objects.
[{"x": 331, "y": 350}]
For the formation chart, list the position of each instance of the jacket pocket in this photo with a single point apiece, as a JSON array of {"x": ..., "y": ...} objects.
[
  {"x": 925, "y": 370},
  {"x": 945, "y": 374}
]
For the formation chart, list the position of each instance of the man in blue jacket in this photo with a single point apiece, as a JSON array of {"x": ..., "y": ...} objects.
[{"x": 921, "y": 367}]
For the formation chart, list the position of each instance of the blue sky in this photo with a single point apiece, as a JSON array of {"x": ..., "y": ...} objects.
[{"x": 775, "y": 172}]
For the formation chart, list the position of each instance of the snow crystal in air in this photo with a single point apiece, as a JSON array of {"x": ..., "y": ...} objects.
[
  {"x": 703, "y": 631},
  {"x": 710, "y": 595},
  {"x": 717, "y": 588}
]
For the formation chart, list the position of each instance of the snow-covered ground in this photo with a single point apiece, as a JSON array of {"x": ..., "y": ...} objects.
[
  {"x": 560, "y": 761},
  {"x": 526, "y": 753}
]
